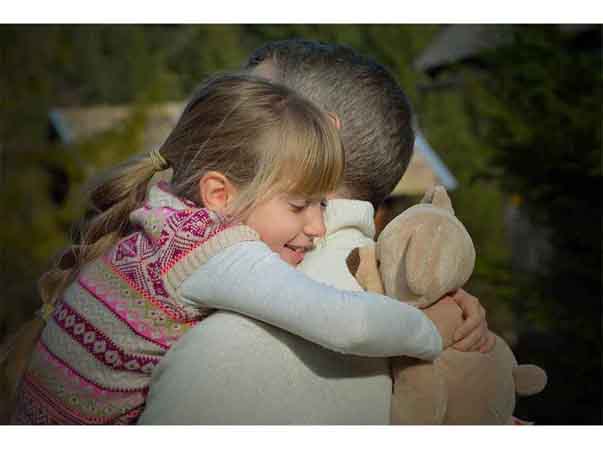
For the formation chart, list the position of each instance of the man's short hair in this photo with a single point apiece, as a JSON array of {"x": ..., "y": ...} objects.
[{"x": 375, "y": 113}]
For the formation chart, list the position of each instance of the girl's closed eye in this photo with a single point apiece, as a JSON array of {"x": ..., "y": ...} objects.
[
  {"x": 301, "y": 205},
  {"x": 298, "y": 205}
]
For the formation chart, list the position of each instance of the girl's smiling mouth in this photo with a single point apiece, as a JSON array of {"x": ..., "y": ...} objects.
[{"x": 295, "y": 253}]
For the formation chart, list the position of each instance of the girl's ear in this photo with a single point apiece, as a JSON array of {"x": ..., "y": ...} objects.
[{"x": 216, "y": 191}]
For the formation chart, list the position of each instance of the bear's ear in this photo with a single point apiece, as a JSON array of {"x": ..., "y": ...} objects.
[
  {"x": 428, "y": 197},
  {"x": 438, "y": 196}
]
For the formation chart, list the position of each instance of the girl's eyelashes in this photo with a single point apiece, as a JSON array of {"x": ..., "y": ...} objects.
[{"x": 298, "y": 206}]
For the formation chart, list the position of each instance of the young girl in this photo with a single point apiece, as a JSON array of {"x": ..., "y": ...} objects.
[{"x": 252, "y": 162}]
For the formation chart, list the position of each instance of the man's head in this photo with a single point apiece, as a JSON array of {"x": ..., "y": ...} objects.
[{"x": 374, "y": 112}]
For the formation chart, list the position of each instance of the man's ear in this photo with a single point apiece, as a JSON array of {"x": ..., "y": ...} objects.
[
  {"x": 335, "y": 119},
  {"x": 216, "y": 191},
  {"x": 265, "y": 69}
]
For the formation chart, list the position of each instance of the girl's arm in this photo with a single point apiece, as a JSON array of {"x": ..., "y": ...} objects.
[{"x": 248, "y": 278}]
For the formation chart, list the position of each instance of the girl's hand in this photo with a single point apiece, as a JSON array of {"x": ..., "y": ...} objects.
[
  {"x": 473, "y": 334},
  {"x": 447, "y": 317}
]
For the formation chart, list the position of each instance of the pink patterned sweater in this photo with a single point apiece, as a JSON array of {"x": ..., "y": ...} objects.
[{"x": 112, "y": 326}]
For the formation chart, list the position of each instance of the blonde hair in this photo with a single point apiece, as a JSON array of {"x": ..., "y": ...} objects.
[{"x": 262, "y": 136}]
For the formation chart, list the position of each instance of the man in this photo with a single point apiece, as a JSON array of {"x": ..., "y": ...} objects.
[{"x": 233, "y": 370}]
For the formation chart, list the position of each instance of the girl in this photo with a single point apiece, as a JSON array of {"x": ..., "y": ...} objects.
[{"x": 252, "y": 162}]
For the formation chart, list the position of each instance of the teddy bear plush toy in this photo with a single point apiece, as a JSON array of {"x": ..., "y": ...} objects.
[{"x": 421, "y": 255}]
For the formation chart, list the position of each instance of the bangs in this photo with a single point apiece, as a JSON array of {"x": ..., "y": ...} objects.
[
  {"x": 299, "y": 152},
  {"x": 311, "y": 158}
]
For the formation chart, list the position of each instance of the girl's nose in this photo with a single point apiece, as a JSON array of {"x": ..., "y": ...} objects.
[{"x": 315, "y": 224}]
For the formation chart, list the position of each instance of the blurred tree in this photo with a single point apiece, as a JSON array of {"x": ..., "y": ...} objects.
[
  {"x": 27, "y": 60},
  {"x": 544, "y": 123},
  {"x": 46, "y": 66}
]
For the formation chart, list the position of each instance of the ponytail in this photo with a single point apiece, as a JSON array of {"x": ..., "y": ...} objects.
[{"x": 112, "y": 200}]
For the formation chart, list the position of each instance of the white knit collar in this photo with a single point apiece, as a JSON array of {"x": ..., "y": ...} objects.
[{"x": 341, "y": 214}]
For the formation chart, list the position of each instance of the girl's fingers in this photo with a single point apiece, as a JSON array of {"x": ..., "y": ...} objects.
[
  {"x": 473, "y": 312},
  {"x": 470, "y": 340},
  {"x": 489, "y": 344},
  {"x": 479, "y": 344}
]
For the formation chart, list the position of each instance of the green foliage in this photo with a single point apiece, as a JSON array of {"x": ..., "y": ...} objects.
[
  {"x": 39, "y": 227},
  {"x": 73, "y": 65},
  {"x": 547, "y": 132},
  {"x": 544, "y": 121}
]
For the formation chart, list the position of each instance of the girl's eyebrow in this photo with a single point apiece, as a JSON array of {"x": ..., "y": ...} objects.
[
  {"x": 298, "y": 199},
  {"x": 296, "y": 196},
  {"x": 306, "y": 199}
]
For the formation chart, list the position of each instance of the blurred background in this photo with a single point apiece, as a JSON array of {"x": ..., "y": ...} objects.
[{"x": 508, "y": 118}]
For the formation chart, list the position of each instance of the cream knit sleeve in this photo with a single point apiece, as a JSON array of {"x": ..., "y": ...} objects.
[{"x": 248, "y": 278}]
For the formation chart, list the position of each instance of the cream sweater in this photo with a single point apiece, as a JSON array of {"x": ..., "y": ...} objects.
[{"x": 234, "y": 370}]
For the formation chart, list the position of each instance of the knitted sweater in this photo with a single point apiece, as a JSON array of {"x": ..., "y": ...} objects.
[{"x": 112, "y": 326}]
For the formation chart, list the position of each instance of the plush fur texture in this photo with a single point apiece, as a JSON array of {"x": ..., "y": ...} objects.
[{"x": 421, "y": 255}]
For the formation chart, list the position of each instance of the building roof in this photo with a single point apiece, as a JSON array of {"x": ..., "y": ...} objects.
[
  {"x": 71, "y": 125},
  {"x": 460, "y": 42}
]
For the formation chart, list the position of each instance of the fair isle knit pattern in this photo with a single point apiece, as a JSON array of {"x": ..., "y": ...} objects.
[{"x": 112, "y": 326}]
